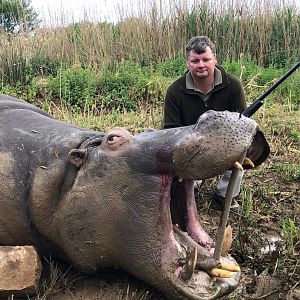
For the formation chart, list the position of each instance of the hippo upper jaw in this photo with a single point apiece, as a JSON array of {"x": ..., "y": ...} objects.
[
  {"x": 217, "y": 141},
  {"x": 203, "y": 150}
]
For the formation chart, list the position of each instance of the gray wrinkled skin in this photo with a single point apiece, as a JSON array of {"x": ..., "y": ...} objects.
[{"x": 100, "y": 200}]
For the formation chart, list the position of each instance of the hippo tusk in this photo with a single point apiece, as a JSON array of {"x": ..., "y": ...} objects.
[
  {"x": 221, "y": 273},
  {"x": 238, "y": 166},
  {"x": 224, "y": 217},
  {"x": 204, "y": 260},
  {"x": 229, "y": 267},
  {"x": 189, "y": 268},
  {"x": 180, "y": 179},
  {"x": 227, "y": 241},
  {"x": 248, "y": 161}
]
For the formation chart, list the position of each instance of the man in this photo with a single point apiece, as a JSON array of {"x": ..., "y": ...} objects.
[{"x": 204, "y": 86}]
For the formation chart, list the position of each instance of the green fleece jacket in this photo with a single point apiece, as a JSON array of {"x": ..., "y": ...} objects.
[{"x": 184, "y": 106}]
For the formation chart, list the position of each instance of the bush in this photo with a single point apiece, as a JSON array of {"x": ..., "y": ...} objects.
[
  {"x": 172, "y": 67},
  {"x": 128, "y": 86},
  {"x": 42, "y": 65},
  {"x": 75, "y": 86}
]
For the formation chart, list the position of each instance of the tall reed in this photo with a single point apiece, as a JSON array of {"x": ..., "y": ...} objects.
[{"x": 256, "y": 30}]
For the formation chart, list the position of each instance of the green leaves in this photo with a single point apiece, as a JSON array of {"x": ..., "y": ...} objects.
[{"x": 75, "y": 86}]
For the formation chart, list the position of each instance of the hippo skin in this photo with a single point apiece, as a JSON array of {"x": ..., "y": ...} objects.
[{"x": 99, "y": 200}]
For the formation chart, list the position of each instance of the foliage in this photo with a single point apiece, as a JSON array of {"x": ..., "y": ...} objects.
[
  {"x": 291, "y": 233},
  {"x": 124, "y": 87},
  {"x": 75, "y": 86},
  {"x": 287, "y": 171},
  {"x": 266, "y": 34},
  {"x": 129, "y": 85},
  {"x": 43, "y": 65},
  {"x": 172, "y": 67},
  {"x": 17, "y": 16}
]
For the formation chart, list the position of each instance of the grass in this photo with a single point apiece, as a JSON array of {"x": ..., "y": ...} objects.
[
  {"x": 134, "y": 121},
  {"x": 287, "y": 171},
  {"x": 291, "y": 232},
  {"x": 56, "y": 279}
]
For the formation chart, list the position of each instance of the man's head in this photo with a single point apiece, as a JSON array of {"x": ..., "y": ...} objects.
[
  {"x": 201, "y": 57},
  {"x": 199, "y": 44}
]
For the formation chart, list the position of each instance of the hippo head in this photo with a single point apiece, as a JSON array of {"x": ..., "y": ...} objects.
[{"x": 118, "y": 211}]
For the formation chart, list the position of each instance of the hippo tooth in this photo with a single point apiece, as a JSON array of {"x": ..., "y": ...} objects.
[
  {"x": 238, "y": 166},
  {"x": 189, "y": 268},
  {"x": 248, "y": 161},
  {"x": 180, "y": 179}
]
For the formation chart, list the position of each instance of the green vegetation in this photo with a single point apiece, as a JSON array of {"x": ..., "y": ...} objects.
[
  {"x": 264, "y": 35},
  {"x": 287, "y": 171},
  {"x": 291, "y": 234},
  {"x": 247, "y": 203},
  {"x": 128, "y": 85}
]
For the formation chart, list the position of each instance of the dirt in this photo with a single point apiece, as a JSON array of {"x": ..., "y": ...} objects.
[{"x": 270, "y": 267}]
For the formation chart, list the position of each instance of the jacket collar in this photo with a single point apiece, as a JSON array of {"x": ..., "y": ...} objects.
[{"x": 220, "y": 80}]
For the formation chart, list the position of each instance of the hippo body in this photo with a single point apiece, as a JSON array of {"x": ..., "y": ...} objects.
[{"x": 100, "y": 200}]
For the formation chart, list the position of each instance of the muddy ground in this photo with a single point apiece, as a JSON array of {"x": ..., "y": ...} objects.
[{"x": 270, "y": 270}]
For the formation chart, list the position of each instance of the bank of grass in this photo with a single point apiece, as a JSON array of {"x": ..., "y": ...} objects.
[{"x": 129, "y": 86}]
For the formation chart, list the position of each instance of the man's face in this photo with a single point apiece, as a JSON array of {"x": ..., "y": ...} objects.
[{"x": 202, "y": 65}]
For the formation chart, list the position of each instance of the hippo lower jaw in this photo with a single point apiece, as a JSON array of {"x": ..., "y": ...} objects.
[{"x": 198, "y": 285}]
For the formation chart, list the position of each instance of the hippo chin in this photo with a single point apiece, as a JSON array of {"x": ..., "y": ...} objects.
[{"x": 100, "y": 200}]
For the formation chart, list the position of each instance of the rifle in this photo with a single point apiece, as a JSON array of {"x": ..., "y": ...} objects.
[
  {"x": 249, "y": 111},
  {"x": 232, "y": 182}
]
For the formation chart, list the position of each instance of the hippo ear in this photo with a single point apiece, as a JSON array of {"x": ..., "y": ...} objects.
[{"x": 77, "y": 157}]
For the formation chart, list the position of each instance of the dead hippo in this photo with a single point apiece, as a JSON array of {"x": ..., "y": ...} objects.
[{"x": 104, "y": 200}]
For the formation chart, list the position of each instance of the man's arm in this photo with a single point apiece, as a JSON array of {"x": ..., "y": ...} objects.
[{"x": 172, "y": 115}]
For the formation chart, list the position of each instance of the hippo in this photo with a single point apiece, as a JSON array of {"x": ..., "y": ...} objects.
[{"x": 99, "y": 200}]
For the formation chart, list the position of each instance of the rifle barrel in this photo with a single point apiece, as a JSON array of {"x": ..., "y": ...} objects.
[{"x": 249, "y": 111}]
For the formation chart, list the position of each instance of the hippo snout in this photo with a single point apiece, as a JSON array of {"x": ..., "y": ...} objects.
[{"x": 216, "y": 142}]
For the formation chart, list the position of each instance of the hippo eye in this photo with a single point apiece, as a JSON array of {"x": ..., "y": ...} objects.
[{"x": 112, "y": 138}]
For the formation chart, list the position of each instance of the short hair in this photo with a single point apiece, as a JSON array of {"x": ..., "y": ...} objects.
[{"x": 198, "y": 44}]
